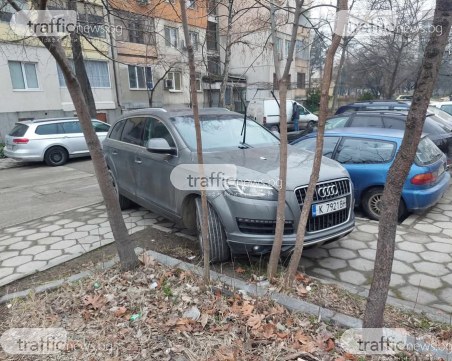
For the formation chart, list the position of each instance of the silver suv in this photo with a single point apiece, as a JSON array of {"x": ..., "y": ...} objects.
[
  {"x": 51, "y": 140},
  {"x": 148, "y": 150}
]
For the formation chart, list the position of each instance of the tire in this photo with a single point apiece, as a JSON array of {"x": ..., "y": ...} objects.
[
  {"x": 56, "y": 156},
  {"x": 219, "y": 249},
  {"x": 311, "y": 125},
  {"x": 371, "y": 204},
  {"x": 124, "y": 202},
  {"x": 274, "y": 128}
]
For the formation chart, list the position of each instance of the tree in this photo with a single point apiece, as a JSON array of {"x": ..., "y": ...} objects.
[
  {"x": 426, "y": 78},
  {"x": 317, "y": 55},
  {"x": 283, "y": 85},
  {"x": 194, "y": 103},
  {"x": 124, "y": 246},
  {"x": 323, "y": 113}
]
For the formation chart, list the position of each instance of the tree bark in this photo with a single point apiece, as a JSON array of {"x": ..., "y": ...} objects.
[
  {"x": 127, "y": 256},
  {"x": 194, "y": 101},
  {"x": 339, "y": 73},
  {"x": 427, "y": 76},
  {"x": 323, "y": 113},
  {"x": 227, "y": 56},
  {"x": 283, "y": 84},
  {"x": 79, "y": 65}
]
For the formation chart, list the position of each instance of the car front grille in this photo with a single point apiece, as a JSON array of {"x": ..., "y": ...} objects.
[
  {"x": 261, "y": 226},
  {"x": 324, "y": 192}
]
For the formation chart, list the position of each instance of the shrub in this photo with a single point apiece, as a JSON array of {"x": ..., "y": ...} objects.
[{"x": 366, "y": 96}]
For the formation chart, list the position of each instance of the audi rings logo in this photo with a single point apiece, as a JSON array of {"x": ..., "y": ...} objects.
[{"x": 328, "y": 191}]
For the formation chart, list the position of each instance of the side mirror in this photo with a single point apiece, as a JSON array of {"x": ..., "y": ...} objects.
[
  {"x": 160, "y": 146},
  {"x": 276, "y": 134}
]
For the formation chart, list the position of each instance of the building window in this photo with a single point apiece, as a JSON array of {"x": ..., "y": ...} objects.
[
  {"x": 301, "y": 50},
  {"x": 194, "y": 38},
  {"x": 190, "y": 4},
  {"x": 287, "y": 43},
  {"x": 140, "y": 77},
  {"x": 97, "y": 71},
  {"x": 136, "y": 33},
  {"x": 301, "y": 80},
  {"x": 171, "y": 36},
  {"x": 213, "y": 65},
  {"x": 279, "y": 48},
  {"x": 23, "y": 75},
  {"x": 198, "y": 82},
  {"x": 174, "y": 81},
  {"x": 211, "y": 35}
]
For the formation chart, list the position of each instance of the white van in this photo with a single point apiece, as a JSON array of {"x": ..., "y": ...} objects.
[{"x": 266, "y": 112}]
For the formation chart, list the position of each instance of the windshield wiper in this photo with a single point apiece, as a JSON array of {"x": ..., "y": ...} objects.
[{"x": 243, "y": 144}]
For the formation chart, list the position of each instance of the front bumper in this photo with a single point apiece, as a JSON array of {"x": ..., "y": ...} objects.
[{"x": 230, "y": 208}]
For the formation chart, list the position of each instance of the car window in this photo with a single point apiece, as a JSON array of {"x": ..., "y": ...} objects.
[
  {"x": 427, "y": 152},
  {"x": 367, "y": 121},
  {"x": 223, "y": 131},
  {"x": 364, "y": 151},
  {"x": 19, "y": 130},
  {"x": 71, "y": 127},
  {"x": 117, "y": 130},
  {"x": 328, "y": 145},
  {"x": 333, "y": 123},
  {"x": 47, "y": 129},
  {"x": 156, "y": 129},
  {"x": 432, "y": 127},
  {"x": 394, "y": 123},
  {"x": 133, "y": 131},
  {"x": 447, "y": 108},
  {"x": 100, "y": 127}
]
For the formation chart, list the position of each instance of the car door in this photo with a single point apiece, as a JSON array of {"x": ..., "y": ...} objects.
[
  {"x": 123, "y": 154},
  {"x": 153, "y": 170},
  {"x": 367, "y": 161},
  {"x": 74, "y": 138}
]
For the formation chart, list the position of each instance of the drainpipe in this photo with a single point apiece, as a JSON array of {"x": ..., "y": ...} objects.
[{"x": 112, "y": 49}]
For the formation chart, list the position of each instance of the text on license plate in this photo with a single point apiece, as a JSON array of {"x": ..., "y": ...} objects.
[{"x": 329, "y": 207}]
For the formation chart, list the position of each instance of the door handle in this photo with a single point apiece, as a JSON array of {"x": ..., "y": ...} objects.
[
  {"x": 114, "y": 152},
  {"x": 138, "y": 161}
]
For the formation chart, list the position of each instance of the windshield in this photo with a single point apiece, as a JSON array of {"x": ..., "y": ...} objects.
[
  {"x": 223, "y": 131},
  {"x": 19, "y": 130},
  {"x": 427, "y": 152}
]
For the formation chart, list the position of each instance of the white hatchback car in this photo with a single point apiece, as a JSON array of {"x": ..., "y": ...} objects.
[{"x": 51, "y": 140}]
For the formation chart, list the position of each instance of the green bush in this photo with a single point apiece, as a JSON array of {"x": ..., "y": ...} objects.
[
  {"x": 1, "y": 150},
  {"x": 313, "y": 100},
  {"x": 366, "y": 96}
]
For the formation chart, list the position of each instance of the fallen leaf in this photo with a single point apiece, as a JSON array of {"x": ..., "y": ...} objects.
[
  {"x": 120, "y": 311},
  {"x": 329, "y": 345},
  {"x": 96, "y": 302},
  {"x": 349, "y": 356},
  {"x": 300, "y": 277},
  {"x": 204, "y": 319},
  {"x": 255, "y": 321},
  {"x": 301, "y": 291},
  {"x": 146, "y": 260},
  {"x": 225, "y": 354},
  {"x": 247, "y": 308},
  {"x": 302, "y": 338},
  {"x": 269, "y": 330},
  {"x": 240, "y": 270}
]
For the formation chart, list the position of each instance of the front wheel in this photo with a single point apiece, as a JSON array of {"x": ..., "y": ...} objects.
[
  {"x": 56, "y": 156},
  {"x": 371, "y": 204},
  {"x": 219, "y": 249},
  {"x": 124, "y": 203}
]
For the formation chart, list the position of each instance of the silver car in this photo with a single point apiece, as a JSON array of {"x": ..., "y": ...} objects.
[
  {"x": 51, "y": 140},
  {"x": 146, "y": 149}
]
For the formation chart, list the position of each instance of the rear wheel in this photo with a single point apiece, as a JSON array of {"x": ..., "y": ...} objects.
[
  {"x": 219, "y": 249},
  {"x": 124, "y": 203},
  {"x": 311, "y": 125},
  {"x": 274, "y": 128},
  {"x": 371, "y": 204},
  {"x": 56, "y": 156}
]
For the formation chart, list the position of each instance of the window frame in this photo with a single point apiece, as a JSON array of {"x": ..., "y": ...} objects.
[
  {"x": 173, "y": 88},
  {"x": 59, "y": 71},
  {"x": 136, "y": 74},
  {"x": 194, "y": 35},
  {"x": 149, "y": 119},
  {"x": 143, "y": 118},
  {"x": 198, "y": 80},
  {"x": 24, "y": 76},
  {"x": 190, "y": 4},
  {"x": 168, "y": 42}
]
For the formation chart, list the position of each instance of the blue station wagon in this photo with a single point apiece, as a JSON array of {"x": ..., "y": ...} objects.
[{"x": 368, "y": 153}]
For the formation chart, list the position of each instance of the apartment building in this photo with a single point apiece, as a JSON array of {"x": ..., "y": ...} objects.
[{"x": 32, "y": 84}]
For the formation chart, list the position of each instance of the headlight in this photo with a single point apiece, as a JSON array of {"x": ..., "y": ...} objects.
[{"x": 249, "y": 189}]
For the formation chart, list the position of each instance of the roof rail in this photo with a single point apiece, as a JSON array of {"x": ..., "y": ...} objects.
[{"x": 52, "y": 119}]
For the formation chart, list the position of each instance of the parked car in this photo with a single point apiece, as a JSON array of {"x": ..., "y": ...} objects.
[
  {"x": 368, "y": 153},
  {"x": 439, "y": 134},
  {"x": 145, "y": 147},
  {"x": 373, "y": 105},
  {"x": 446, "y": 106},
  {"x": 403, "y": 97},
  {"x": 443, "y": 117},
  {"x": 51, "y": 140},
  {"x": 266, "y": 112}
]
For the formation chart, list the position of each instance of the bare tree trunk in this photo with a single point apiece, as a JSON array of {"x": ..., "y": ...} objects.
[
  {"x": 323, "y": 113},
  {"x": 194, "y": 101},
  {"x": 79, "y": 65},
  {"x": 428, "y": 74},
  {"x": 227, "y": 57},
  {"x": 124, "y": 246},
  {"x": 283, "y": 84},
  {"x": 339, "y": 73}
]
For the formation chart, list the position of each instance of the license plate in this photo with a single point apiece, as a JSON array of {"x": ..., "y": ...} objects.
[{"x": 329, "y": 207}]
